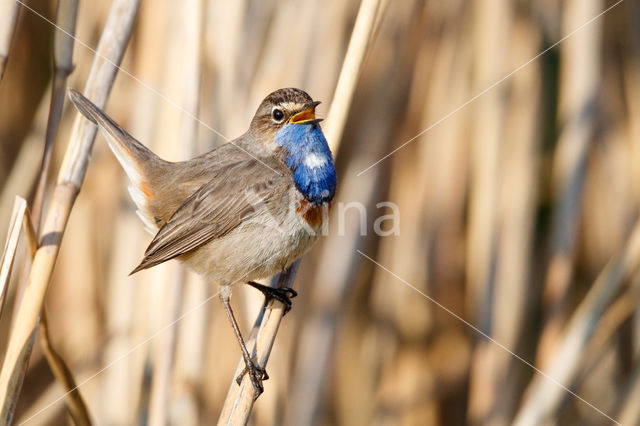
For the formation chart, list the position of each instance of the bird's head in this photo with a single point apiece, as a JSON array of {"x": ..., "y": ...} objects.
[
  {"x": 280, "y": 108},
  {"x": 286, "y": 123}
]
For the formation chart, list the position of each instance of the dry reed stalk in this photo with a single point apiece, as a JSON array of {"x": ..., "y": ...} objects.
[
  {"x": 63, "y": 65},
  {"x": 545, "y": 395},
  {"x": 125, "y": 304},
  {"x": 228, "y": 17},
  {"x": 75, "y": 403},
  {"x": 492, "y": 33},
  {"x": 24, "y": 170},
  {"x": 10, "y": 246},
  {"x": 516, "y": 217},
  {"x": 361, "y": 37},
  {"x": 579, "y": 82},
  {"x": 631, "y": 80},
  {"x": 239, "y": 401},
  {"x": 50, "y": 416},
  {"x": 292, "y": 61},
  {"x": 611, "y": 321},
  {"x": 190, "y": 355},
  {"x": 8, "y": 18},
  {"x": 191, "y": 54},
  {"x": 326, "y": 48},
  {"x": 110, "y": 50},
  {"x": 63, "y": 53},
  {"x": 172, "y": 278},
  {"x": 630, "y": 411}
]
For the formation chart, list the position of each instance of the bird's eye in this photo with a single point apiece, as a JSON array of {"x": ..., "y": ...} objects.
[{"x": 277, "y": 115}]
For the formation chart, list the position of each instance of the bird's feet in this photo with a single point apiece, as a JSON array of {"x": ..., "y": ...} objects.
[
  {"x": 283, "y": 295},
  {"x": 256, "y": 374}
]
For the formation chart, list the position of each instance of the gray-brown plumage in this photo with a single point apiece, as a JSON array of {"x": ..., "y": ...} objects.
[{"x": 240, "y": 212}]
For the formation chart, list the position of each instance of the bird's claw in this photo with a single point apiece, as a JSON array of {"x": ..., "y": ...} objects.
[
  {"x": 283, "y": 294},
  {"x": 256, "y": 374}
]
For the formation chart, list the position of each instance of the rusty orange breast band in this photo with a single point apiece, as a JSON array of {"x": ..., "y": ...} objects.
[{"x": 312, "y": 213}]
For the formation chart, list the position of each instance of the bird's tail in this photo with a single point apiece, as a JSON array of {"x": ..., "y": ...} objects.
[{"x": 139, "y": 163}]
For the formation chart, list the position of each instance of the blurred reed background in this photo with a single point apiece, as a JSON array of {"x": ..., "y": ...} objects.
[{"x": 516, "y": 213}]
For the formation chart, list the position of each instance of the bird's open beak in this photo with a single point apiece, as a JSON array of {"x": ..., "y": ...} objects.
[{"x": 308, "y": 115}]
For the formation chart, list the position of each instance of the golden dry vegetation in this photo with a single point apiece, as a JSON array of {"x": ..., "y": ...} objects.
[{"x": 510, "y": 293}]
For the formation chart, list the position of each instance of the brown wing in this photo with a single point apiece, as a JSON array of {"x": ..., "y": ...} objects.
[{"x": 237, "y": 193}]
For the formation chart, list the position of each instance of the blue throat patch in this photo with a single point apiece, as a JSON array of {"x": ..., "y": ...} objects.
[{"x": 310, "y": 160}]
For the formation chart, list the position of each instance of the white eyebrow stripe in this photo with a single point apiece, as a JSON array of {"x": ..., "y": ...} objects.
[{"x": 291, "y": 106}]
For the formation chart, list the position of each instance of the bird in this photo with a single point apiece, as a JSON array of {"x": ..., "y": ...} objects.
[{"x": 243, "y": 211}]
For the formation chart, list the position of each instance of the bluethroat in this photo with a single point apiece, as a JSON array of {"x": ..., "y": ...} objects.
[{"x": 243, "y": 211}]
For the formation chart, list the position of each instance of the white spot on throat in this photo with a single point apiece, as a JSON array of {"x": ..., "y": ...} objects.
[{"x": 314, "y": 160}]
